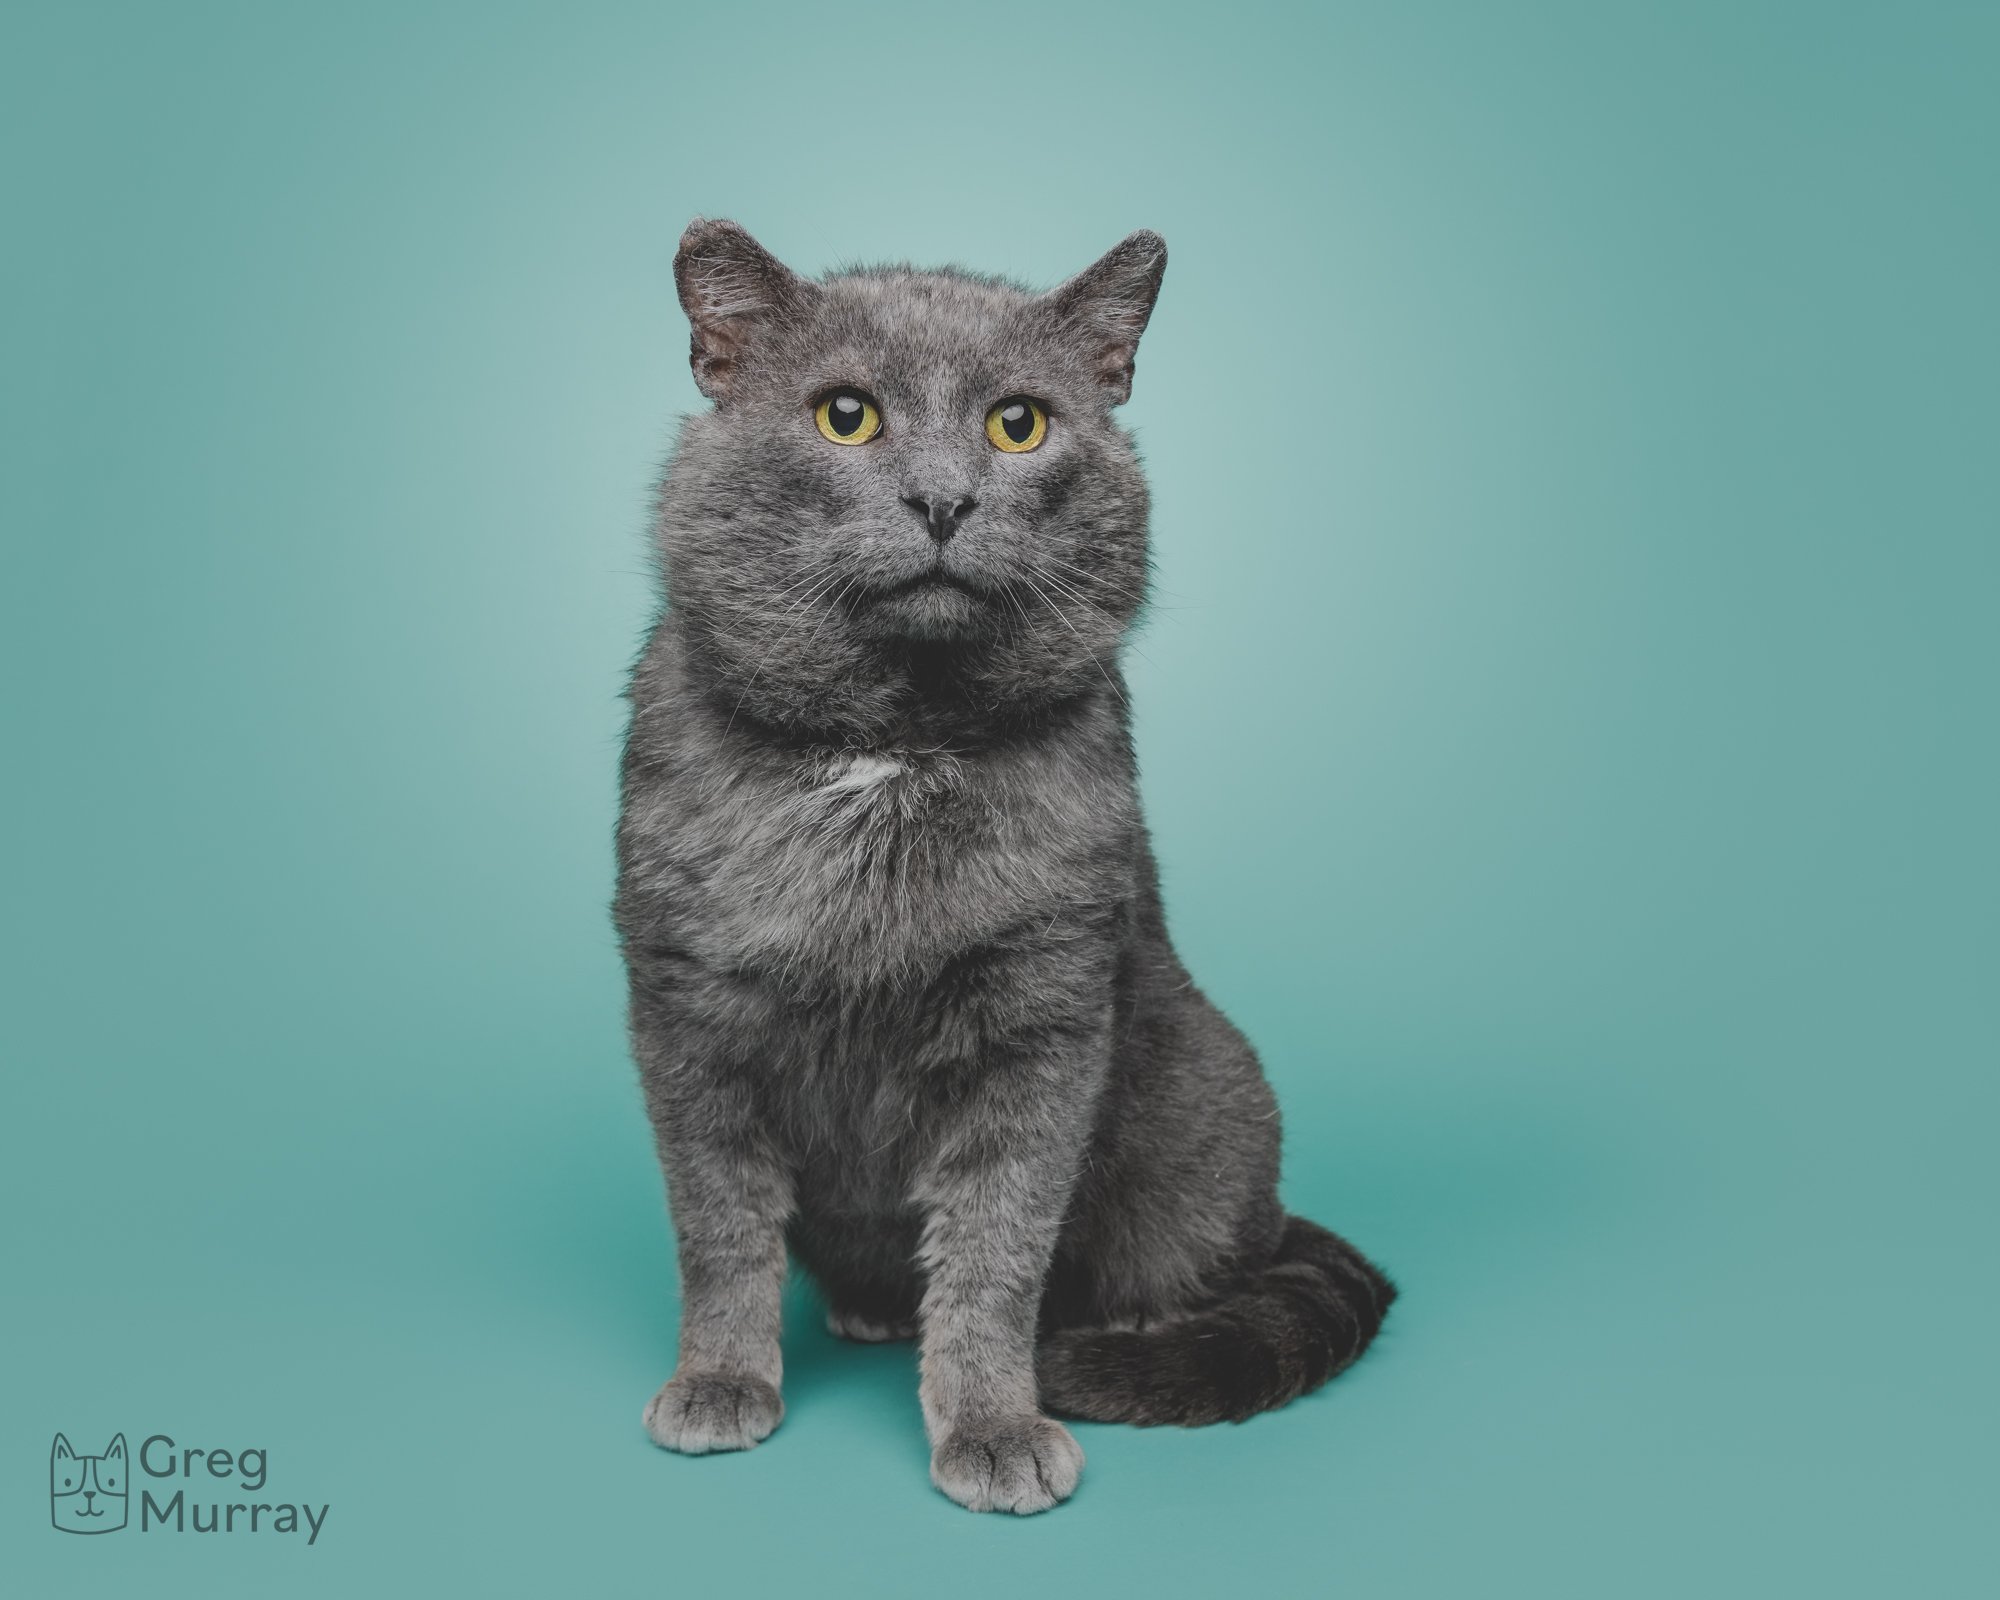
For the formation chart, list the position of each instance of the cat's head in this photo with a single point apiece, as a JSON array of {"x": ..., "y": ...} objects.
[
  {"x": 906, "y": 467},
  {"x": 87, "y": 1494}
]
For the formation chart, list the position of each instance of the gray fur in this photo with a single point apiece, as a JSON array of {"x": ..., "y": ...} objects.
[{"x": 901, "y": 991}]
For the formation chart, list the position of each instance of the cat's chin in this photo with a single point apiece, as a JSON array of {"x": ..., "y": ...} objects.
[{"x": 933, "y": 609}]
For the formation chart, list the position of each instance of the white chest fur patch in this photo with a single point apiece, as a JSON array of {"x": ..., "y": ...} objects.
[{"x": 860, "y": 770}]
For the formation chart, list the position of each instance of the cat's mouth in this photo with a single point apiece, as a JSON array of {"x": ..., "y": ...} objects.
[
  {"x": 935, "y": 580},
  {"x": 932, "y": 604}
]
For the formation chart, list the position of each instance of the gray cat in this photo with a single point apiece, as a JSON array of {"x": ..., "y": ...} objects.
[{"x": 902, "y": 996}]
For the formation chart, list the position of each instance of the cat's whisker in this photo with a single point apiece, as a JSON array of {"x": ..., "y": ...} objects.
[
  {"x": 1118, "y": 586},
  {"x": 1069, "y": 586},
  {"x": 812, "y": 575},
  {"x": 777, "y": 630},
  {"x": 840, "y": 595},
  {"x": 1067, "y": 590},
  {"x": 1014, "y": 600},
  {"x": 1127, "y": 641},
  {"x": 1088, "y": 652},
  {"x": 1049, "y": 558}
]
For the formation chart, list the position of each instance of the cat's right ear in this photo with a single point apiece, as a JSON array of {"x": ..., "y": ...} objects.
[
  {"x": 730, "y": 287},
  {"x": 60, "y": 1450},
  {"x": 1109, "y": 303}
]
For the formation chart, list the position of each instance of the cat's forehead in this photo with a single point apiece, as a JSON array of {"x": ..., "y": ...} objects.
[
  {"x": 898, "y": 324},
  {"x": 908, "y": 297}
]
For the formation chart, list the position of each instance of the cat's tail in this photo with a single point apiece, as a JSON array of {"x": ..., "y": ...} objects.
[{"x": 1280, "y": 1333}]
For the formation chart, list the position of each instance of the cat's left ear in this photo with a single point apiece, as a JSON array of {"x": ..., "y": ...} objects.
[
  {"x": 115, "y": 1450},
  {"x": 731, "y": 287},
  {"x": 1109, "y": 303}
]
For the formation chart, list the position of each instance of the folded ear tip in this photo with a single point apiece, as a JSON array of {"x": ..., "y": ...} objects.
[
  {"x": 707, "y": 230},
  {"x": 1146, "y": 248},
  {"x": 720, "y": 238}
]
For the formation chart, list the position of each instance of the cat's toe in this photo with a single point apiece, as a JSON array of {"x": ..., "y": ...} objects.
[
  {"x": 865, "y": 1330},
  {"x": 1019, "y": 1464},
  {"x": 699, "y": 1412}
]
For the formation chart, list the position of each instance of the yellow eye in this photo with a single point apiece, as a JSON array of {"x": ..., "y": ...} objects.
[
  {"x": 1017, "y": 425},
  {"x": 847, "y": 416}
]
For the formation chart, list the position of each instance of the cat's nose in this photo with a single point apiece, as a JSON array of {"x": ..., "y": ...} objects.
[{"x": 940, "y": 512}]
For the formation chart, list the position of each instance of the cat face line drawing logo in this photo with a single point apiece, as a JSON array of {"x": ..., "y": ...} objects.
[{"x": 87, "y": 1494}]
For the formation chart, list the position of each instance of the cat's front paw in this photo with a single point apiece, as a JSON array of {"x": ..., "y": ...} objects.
[
  {"x": 696, "y": 1412},
  {"x": 1018, "y": 1464}
]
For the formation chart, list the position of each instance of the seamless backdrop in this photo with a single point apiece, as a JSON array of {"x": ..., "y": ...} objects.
[{"x": 1566, "y": 722}]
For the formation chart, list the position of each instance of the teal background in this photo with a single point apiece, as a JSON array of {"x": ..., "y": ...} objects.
[{"x": 1567, "y": 723}]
